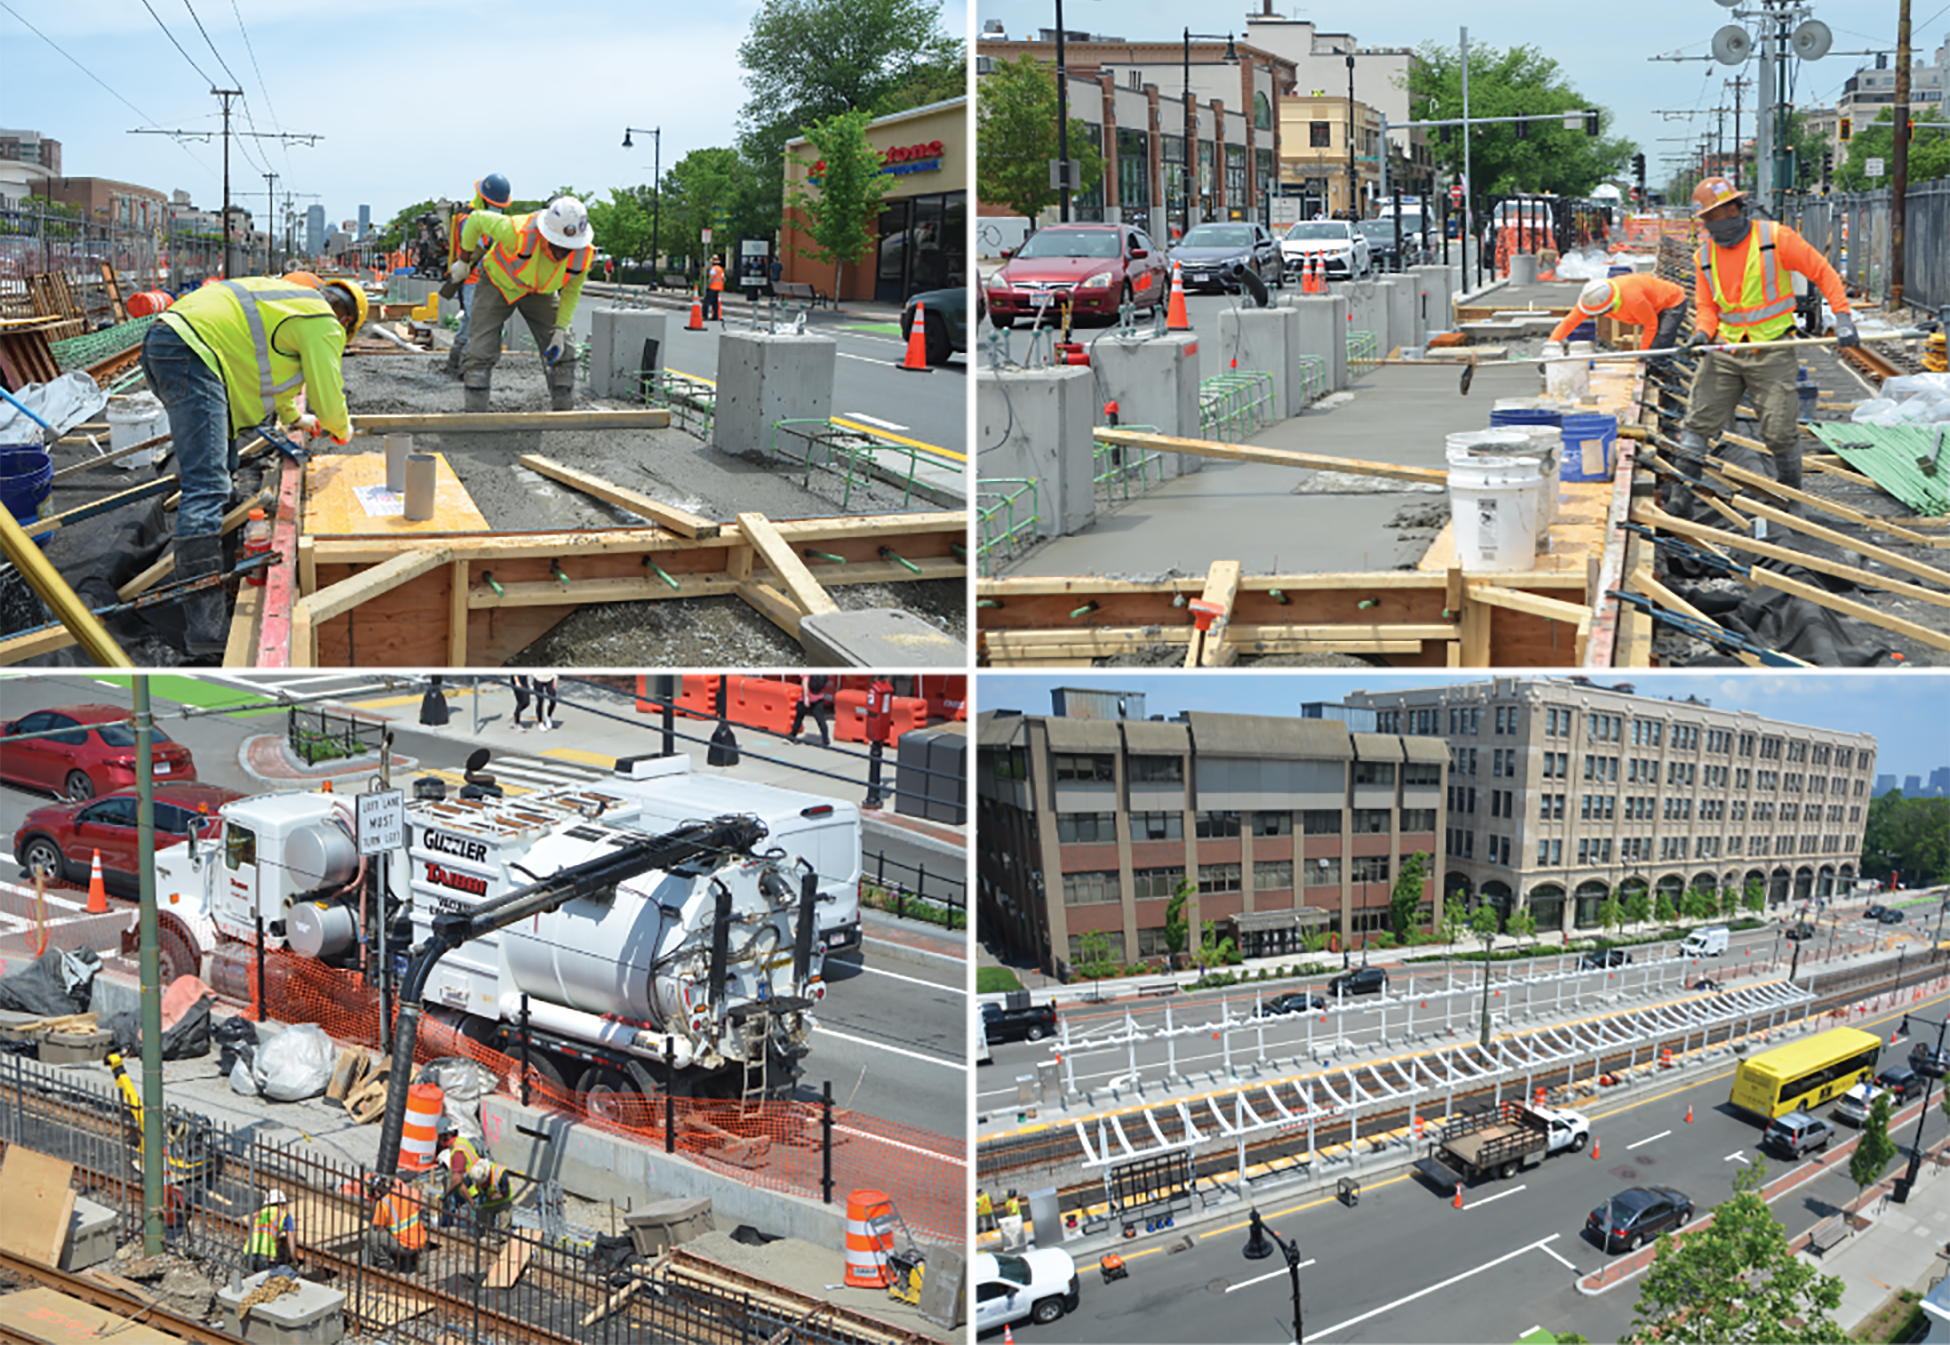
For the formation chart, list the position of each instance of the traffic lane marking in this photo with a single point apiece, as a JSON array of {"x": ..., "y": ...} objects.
[
  {"x": 872, "y": 420},
  {"x": 1498, "y": 1196},
  {"x": 1648, "y": 1139},
  {"x": 1434, "y": 1288},
  {"x": 1269, "y": 1275},
  {"x": 916, "y": 980},
  {"x": 922, "y": 445},
  {"x": 892, "y": 1050},
  {"x": 1734, "y": 1158},
  {"x": 1570, "y": 1266}
]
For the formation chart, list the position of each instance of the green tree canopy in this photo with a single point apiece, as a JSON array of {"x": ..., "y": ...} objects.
[
  {"x": 1015, "y": 127},
  {"x": 1505, "y": 83},
  {"x": 1176, "y": 928},
  {"x": 1663, "y": 910},
  {"x": 1910, "y": 836},
  {"x": 1873, "y": 1150},
  {"x": 623, "y": 223},
  {"x": 1929, "y": 151},
  {"x": 1405, "y": 902},
  {"x": 840, "y": 211}
]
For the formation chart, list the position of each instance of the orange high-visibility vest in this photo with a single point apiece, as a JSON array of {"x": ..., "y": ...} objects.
[
  {"x": 399, "y": 1213},
  {"x": 717, "y": 277}
]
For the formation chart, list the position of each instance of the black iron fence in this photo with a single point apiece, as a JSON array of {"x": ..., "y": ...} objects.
[
  {"x": 318, "y": 735},
  {"x": 939, "y": 896},
  {"x": 1853, "y": 230}
]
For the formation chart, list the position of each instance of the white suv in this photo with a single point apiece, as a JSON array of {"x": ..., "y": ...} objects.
[
  {"x": 1341, "y": 246},
  {"x": 1040, "y": 1284}
]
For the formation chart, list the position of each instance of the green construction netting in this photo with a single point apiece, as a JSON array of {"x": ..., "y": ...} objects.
[
  {"x": 1893, "y": 456},
  {"x": 92, "y": 347}
]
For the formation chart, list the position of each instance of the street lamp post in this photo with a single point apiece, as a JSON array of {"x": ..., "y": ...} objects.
[
  {"x": 1353, "y": 185},
  {"x": 1260, "y": 1246},
  {"x": 1489, "y": 943},
  {"x": 1191, "y": 114},
  {"x": 1907, "y": 1181},
  {"x": 656, "y": 185}
]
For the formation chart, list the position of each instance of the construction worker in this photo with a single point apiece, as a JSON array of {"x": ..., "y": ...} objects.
[
  {"x": 488, "y": 1191},
  {"x": 714, "y": 289},
  {"x": 457, "y": 1156},
  {"x": 536, "y": 265},
  {"x": 398, "y": 1233},
  {"x": 490, "y": 193},
  {"x": 984, "y": 1212},
  {"x": 225, "y": 358},
  {"x": 273, "y": 1241},
  {"x": 1641, "y": 299},
  {"x": 1742, "y": 295}
]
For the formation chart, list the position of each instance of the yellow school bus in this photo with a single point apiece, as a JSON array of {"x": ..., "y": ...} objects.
[{"x": 1805, "y": 1073}]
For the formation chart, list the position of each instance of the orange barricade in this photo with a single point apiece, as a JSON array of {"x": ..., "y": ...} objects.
[
  {"x": 761, "y": 704},
  {"x": 910, "y": 712},
  {"x": 850, "y": 715},
  {"x": 699, "y": 698},
  {"x": 946, "y": 695}
]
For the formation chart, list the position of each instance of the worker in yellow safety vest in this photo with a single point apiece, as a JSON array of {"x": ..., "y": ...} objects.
[
  {"x": 488, "y": 1191},
  {"x": 458, "y": 1155},
  {"x": 398, "y": 1233},
  {"x": 224, "y": 359},
  {"x": 984, "y": 1212},
  {"x": 492, "y": 192},
  {"x": 714, "y": 290},
  {"x": 1743, "y": 294},
  {"x": 273, "y": 1241},
  {"x": 535, "y": 265}
]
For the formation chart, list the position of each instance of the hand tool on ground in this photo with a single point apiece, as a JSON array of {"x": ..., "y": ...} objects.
[
  {"x": 1719, "y": 637},
  {"x": 1907, "y": 334},
  {"x": 1928, "y": 462}
]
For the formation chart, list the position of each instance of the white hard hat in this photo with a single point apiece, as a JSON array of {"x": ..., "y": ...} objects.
[
  {"x": 276, "y": 1197},
  {"x": 1595, "y": 298},
  {"x": 481, "y": 1171},
  {"x": 566, "y": 224}
]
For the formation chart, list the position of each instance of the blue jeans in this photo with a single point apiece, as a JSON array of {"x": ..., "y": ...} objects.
[{"x": 199, "y": 428}]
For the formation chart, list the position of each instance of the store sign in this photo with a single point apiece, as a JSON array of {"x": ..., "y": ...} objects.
[{"x": 899, "y": 160}]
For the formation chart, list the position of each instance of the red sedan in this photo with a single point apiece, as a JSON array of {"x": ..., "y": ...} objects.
[
  {"x": 59, "y": 842},
  {"x": 1092, "y": 267},
  {"x": 92, "y": 752}
]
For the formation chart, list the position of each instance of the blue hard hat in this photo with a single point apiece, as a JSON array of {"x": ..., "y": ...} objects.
[{"x": 494, "y": 189}]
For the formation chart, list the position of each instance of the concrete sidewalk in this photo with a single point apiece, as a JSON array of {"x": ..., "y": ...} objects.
[{"x": 1906, "y": 1247}]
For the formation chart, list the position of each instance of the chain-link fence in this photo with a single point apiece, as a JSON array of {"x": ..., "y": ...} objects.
[
  {"x": 1853, "y": 231},
  {"x": 38, "y": 238}
]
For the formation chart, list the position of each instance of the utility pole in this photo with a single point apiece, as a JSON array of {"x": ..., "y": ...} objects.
[
  {"x": 1899, "y": 178},
  {"x": 1738, "y": 84},
  {"x": 270, "y": 223},
  {"x": 226, "y": 95},
  {"x": 1062, "y": 120},
  {"x": 1469, "y": 187}
]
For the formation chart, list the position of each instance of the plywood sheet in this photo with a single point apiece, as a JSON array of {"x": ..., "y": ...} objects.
[
  {"x": 40, "y": 1201},
  {"x": 1576, "y": 536},
  {"x": 333, "y": 510},
  {"x": 50, "y": 1316}
]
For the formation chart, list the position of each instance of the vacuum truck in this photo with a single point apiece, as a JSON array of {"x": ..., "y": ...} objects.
[{"x": 683, "y": 974}]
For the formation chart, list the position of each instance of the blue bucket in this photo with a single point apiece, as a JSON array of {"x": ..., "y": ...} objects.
[
  {"x": 1525, "y": 415},
  {"x": 1618, "y": 271},
  {"x": 1589, "y": 444},
  {"x": 1584, "y": 331},
  {"x": 1808, "y": 392},
  {"x": 26, "y": 479}
]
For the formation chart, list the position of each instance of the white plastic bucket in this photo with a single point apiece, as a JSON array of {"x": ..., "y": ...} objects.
[
  {"x": 1547, "y": 442},
  {"x": 1568, "y": 381},
  {"x": 1494, "y": 509},
  {"x": 131, "y": 420}
]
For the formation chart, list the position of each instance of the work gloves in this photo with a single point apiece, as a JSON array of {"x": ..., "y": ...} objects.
[
  {"x": 558, "y": 345},
  {"x": 308, "y": 426},
  {"x": 1845, "y": 336},
  {"x": 457, "y": 272},
  {"x": 1696, "y": 340}
]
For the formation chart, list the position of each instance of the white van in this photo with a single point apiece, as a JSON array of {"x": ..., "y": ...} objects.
[{"x": 1709, "y": 941}]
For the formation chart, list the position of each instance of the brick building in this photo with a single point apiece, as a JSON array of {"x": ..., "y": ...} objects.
[{"x": 123, "y": 205}]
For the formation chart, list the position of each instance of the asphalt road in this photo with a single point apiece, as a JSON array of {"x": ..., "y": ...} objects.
[{"x": 1404, "y": 1265}]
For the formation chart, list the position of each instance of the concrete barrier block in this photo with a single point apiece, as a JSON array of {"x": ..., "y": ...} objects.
[
  {"x": 1322, "y": 330},
  {"x": 315, "y": 1315},
  {"x": 763, "y": 379},
  {"x": 1265, "y": 340},
  {"x": 1036, "y": 424},
  {"x": 1154, "y": 382},
  {"x": 624, "y": 345},
  {"x": 1403, "y": 327},
  {"x": 1435, "y": 286}
]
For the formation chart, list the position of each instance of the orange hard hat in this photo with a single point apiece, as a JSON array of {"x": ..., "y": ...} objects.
[{"x": 1713, "y": 191}]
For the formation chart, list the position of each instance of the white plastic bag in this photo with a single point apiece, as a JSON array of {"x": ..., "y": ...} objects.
[
  {"x": 241, "y": 1079},
  {"x": 295, "y": 1064}
]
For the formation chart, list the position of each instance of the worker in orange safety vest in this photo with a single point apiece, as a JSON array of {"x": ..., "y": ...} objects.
[
  {"x": 714, "y": 289},
  {"x": 1743, "y": 294},
  {"x": 535, "y": 265},
  {"x": 1641, "y": 299},
  {"x": 398, "y": 1233}
]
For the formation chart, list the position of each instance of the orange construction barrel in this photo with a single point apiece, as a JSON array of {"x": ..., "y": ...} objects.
[
  {"x": 420, "y": 1137},
  {"x": 869, "y": 1238}
]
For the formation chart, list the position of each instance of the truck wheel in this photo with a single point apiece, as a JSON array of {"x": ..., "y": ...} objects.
[
  {"x": 1035, "y": 1032},
  {"x": 1046, "y": 1311},
  {"x": 176, "y": 955},
  {"x": 1578, "y": 1142},
  {"x": 1508, "y": 1170},
  {"x": 604, "y": 1092},
  {"x": 547, "y": 1071}
]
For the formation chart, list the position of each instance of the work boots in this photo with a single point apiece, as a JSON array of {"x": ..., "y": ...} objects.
[
  {"x": 562, "y": 389},
  {"x": 206, "y": 613},
  {"x": 477, "y": 393}
]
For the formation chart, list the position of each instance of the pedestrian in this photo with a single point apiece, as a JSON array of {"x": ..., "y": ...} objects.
[
  {"x": 535, "y": 265},
  {"x": 1656, "y": 307},
  {"x": 777, "y": 272},
  {"x": 714, "y": 289},
  {"x": 273, "y": 1239},
  {"x": 398, "y": 1232},
  {"x": 492, "y": 192},
  {"x": 545, "y": 702},
  {"x": 519, "y": 685},
  {"x": 224, "y": 359},
  {"x": 815, "y": 698},
  {"x": 1744, "y": 296}
]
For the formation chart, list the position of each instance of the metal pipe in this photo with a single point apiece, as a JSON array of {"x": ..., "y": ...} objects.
[
  {"x": 61, "y": 600},
  {"x": 151, "y": 973}
]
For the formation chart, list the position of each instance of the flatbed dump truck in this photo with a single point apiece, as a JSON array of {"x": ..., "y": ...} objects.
[{"x": 1499, "y": 1141}]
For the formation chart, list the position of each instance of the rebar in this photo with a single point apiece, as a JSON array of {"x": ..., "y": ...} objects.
[{"x": 1002, "y": 529}]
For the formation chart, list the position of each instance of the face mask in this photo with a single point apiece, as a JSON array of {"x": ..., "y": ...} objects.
[{"x": 1727, "y": 232}]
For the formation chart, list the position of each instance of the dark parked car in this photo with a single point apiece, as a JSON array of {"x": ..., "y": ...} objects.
[
  {"x": 1929, "y": 1059},
  {"x": 1360, "y": 981},
  {"x": 1800, "y": 932},
  {"x": 94, "y": 755},
  {"x": 1875, "y": 912},
  {"x": 947, "y": 321},
  {"x": 1380, "y": 234},
  {"x": 1095, "y": 267},
  {"x": 1891, "y": 916},
  {"x": 1210, "y": 252},
  {"x": 1632, "y": 1218},
  {"x": 1295, "y": 1001},
  {"x": 59, "y": 842},
  {"x": 1018, "y": 1022},
  {"x": 1904, "y": 1083},
  {"x": 1796, "y": 1133},
  {"x": 1606, "y": 957}
]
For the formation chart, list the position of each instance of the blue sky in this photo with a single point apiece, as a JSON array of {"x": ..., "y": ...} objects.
[
  {"x": 1601, "y": 49},
  {"x": 1908, "y": 712},
  {"x": 414, "y": 100}
]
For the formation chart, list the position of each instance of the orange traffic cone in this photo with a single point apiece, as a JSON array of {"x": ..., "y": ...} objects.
[
  {"x": 1008, "y": 1336},
  {"x": 696, "y": 324},
  {"x": 1314, "y": 282},
  {"x": 1689, "y": 1113},
  {"x": 1594, "y": 1148},
  {"x": 97, "y": 893},
  {"x": 1176, "y": 318},
  {"x": 1458, "y": 1195},
  {"x": 917, "y": 343}
]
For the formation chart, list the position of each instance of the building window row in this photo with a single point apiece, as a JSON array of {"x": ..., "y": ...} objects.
[
  {"x": 1086, "y": 828},
  {"x": 1147, "y": 884},
  {"x": 1460, "y": 842},
  {"x": 1604, "y": 728},
  {"x": 1557, "y": 765},
  {"x": 1095, "y": 769},
  {"x": 1090, "y": 889}
]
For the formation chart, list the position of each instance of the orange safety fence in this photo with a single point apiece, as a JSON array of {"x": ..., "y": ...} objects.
[
  {"x": 769, "y": 703},
  {"x": 773, "y": 1145}
]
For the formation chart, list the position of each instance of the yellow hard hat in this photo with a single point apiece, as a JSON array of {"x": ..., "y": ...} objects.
[
  {"x": 1711, "y": 192},
  {"x": 358, "y": 295}
]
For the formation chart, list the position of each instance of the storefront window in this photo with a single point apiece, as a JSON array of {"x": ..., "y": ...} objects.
[
  {"x": 1205, "y": 173},
  {"x": 923, "y": 245},
  {"x": 1134, "y": 175},
  {"x": 1236, "y": 179},
  {"x": 1089, "y": 205}
]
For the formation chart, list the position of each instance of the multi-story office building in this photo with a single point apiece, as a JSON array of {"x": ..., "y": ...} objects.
[
  {"x": 1284, "y": 827},
  {"x": 1561, "y": 792}
]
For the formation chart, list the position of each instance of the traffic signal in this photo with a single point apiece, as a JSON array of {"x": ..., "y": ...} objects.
[
  {"x": 1827, "y": 164},
  {"x": 1638, "y": 166},
  {"x": 1523, "y": 130},
  {"x": 1591, "y": 123},
  {"x": 1847, "y": 128},
  {"x": 1443, "y": 132}
]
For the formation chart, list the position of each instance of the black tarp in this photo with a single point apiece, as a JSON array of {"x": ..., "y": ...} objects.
[{"x": 53, "y": 985}]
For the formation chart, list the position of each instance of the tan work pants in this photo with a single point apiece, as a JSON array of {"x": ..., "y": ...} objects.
[{"x": 1765, "y": 375}]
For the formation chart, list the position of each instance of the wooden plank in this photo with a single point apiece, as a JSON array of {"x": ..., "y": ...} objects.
[
  {"x": 784, "y": 562},
  {"x": 165, "y": 567},
  {"x": 508, "y": 1266},
  {"x": 457, "y": 616},
  {"x": 1843, "y": 540},
  {"x": 343, "y": 596},
  {"x": 49, "y": 1317},
  {"x": 771, "y": 604},
  {"x": 1516, "y": 600},
  {"x": 1634, "y": 647},
  {"x": 677, "y": 520},
  {"x": 633, "y": 588},
  {"x": 1642, "y": 581},
  {"x": 40, "y": 1201},
  {"x": 1272, "y": 457},
  {"x": 280, "y": 588},
  {"x": 487, "y": 422},
  {"x": 1477, "y": 619},
  {"x": 1738, "y": 542},
  {"x": 1207, "y": 650},
  {"x": 1735, "y": 472}
]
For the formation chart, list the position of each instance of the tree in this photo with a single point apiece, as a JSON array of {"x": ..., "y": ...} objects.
[
  {"x": 1455, "y": 919},
  {"x": 1735, "y": 1281},
  {"x": 1663, "y": 910},
  {"x": 1522, "y": 923},
  {"x": 1093, "y": 956},
  {"x": 1503, "y": 84},
  {"x": 838, "y": 213},
  {"x": 1929, "y": 154},
  {"x": 623, "y": 223},
  {"x": 1873, "y": 1151},
  {"x": 1696, "y": 905},
  {"x": 1015, "y": 119},
  {"x": 1176, "y": 928},
  {"x": 1405, "y": 902},
  {"x": 1213, "y": 950},
  {"x": 1907, "y": 836},
  {"x": 1483, "y": 923},
  {"x": 1611, "y": 915},
  {"x": 709, "y": 189},
  {"x": 1638, "y": 906},
  {"x": 1755, "y": 897}
]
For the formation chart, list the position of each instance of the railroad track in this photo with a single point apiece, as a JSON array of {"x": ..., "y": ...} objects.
[
  {"x": 128, "y": 1310},
  {"x": 1052, "y": 1154}
]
